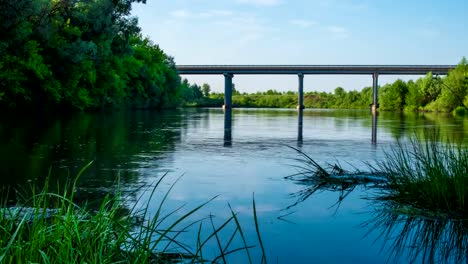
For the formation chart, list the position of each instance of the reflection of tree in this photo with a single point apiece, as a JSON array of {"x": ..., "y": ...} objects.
[
  {"x": 404, "y": 125},
  {"x": 421, "y": 238},
  {"x": 120, "y": 144}
]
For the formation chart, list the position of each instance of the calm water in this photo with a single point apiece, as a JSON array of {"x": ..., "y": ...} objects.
[{"x": 230, "y": 158}]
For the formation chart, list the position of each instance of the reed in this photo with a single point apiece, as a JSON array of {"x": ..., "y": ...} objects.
[
  {"x": 50, "y": 228},
  {"x": 424, "y": 176}
]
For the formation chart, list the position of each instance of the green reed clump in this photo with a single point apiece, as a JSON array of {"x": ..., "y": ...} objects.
[
  {"x": 50, "y": 228},
  {"x": 424, "y": 176},
  {"x": 428, "y": 175}
]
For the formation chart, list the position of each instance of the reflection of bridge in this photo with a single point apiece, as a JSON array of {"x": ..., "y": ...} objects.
[
  {"x": 228, "y": 127},
  {"x": 300, "y": 70}
]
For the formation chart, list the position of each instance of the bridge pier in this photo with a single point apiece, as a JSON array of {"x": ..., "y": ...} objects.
[
  {"x": 300, "y": 99},
  {"x": 375, "y": 98},
  {"x": 227, "y": 90}
]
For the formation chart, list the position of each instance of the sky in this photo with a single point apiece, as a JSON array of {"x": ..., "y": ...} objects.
[{"x": 306, "y": 32}]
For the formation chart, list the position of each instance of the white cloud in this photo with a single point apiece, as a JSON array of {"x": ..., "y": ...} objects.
[
  {"x": 261, "y": 2},
  {"x": 302, "y": 23}
]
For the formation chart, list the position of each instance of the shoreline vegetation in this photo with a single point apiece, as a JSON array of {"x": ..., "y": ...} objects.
[
  {"x": 419, "y": 192},
  {"x": 91, "y": 55},
  {"x": 49, "y": 227},
  {"x": 425, "y": 177}
]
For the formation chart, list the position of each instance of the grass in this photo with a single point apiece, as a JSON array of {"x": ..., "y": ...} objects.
[
  {"x": 419, "y": 191},
  {"x": 49, "y": 227},
  {"x": 427, "y": 176}
]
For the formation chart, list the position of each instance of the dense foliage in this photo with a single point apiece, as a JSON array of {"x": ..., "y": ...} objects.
[
  {"x": 80, "y": 54},
  {"x": 429, "y": 93}
]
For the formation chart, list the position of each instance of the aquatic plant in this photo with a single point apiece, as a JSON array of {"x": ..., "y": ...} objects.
[
  {"x": 331, "y": 177},
  {"x": 425, "y": 175},
  {"x": 429, "y": 176},
  {"x": 49, "y": 227},
  {"x": 419, "y": 194}
]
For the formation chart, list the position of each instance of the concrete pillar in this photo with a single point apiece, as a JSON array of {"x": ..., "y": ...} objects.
[
  {"x": 227, "y": 91},
  {"x": 300, "y": 99},
  {"x": 375, "y": 98}
]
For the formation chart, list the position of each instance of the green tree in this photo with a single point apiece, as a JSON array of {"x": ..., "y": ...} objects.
[
  {"x": 393, "y": 96},
  {"x": 80, "y": 54},
  {"x": 206, "y": 90},
  {"x": 454, "y": 88}
]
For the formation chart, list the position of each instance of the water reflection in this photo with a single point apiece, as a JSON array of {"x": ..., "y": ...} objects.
[
  {"x": 228, "y": 127},
  {"x": 408, "y": 234},
  {"x": 420, "y": 239},
  {"x": 374, "y": 128},
  {"x": 120, "y": 144},
  {"x": 300, "y": 116}
]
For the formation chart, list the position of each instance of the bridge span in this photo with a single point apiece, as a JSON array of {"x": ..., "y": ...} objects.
[{"x": 300, "y": 70}]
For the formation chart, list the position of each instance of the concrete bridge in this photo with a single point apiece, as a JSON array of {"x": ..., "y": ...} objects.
[{"x": 300, "y": 70}]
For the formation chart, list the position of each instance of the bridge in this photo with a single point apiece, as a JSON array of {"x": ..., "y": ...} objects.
[{"x": 300, "y": 70}]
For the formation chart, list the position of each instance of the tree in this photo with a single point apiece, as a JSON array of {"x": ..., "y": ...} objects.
[
  {"x": 234, "y": 91},
  {"x": 454, "y": 88},
  {"x": 393, "y": 96},
  {"x": 206, "y": 90},
  {"x": 80, "y": 54}
]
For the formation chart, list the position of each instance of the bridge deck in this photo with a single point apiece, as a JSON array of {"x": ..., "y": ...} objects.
[{"x": 315, "y": 69}]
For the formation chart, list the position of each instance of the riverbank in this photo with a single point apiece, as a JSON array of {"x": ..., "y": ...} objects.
[{"x": 276, "y": 101}]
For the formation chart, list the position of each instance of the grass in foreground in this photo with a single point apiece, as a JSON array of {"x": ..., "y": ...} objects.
[{"x": 51, "y": 228}]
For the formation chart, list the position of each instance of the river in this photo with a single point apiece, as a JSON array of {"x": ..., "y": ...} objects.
[{"x": 236, "y": 159}]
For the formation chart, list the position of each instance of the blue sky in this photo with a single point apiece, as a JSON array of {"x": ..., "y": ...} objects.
[{"x": 306, "y": 32}]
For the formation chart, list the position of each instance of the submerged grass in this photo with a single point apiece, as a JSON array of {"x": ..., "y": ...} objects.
[{"x": 50, "y": 228}]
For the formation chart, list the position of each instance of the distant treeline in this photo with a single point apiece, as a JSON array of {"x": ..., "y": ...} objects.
[
  {"x": 429, "y": 93},
  {"x": 80, "y": 55}
]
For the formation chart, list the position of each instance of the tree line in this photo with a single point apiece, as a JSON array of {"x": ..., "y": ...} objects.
[{"x": 80, "y": 54}]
